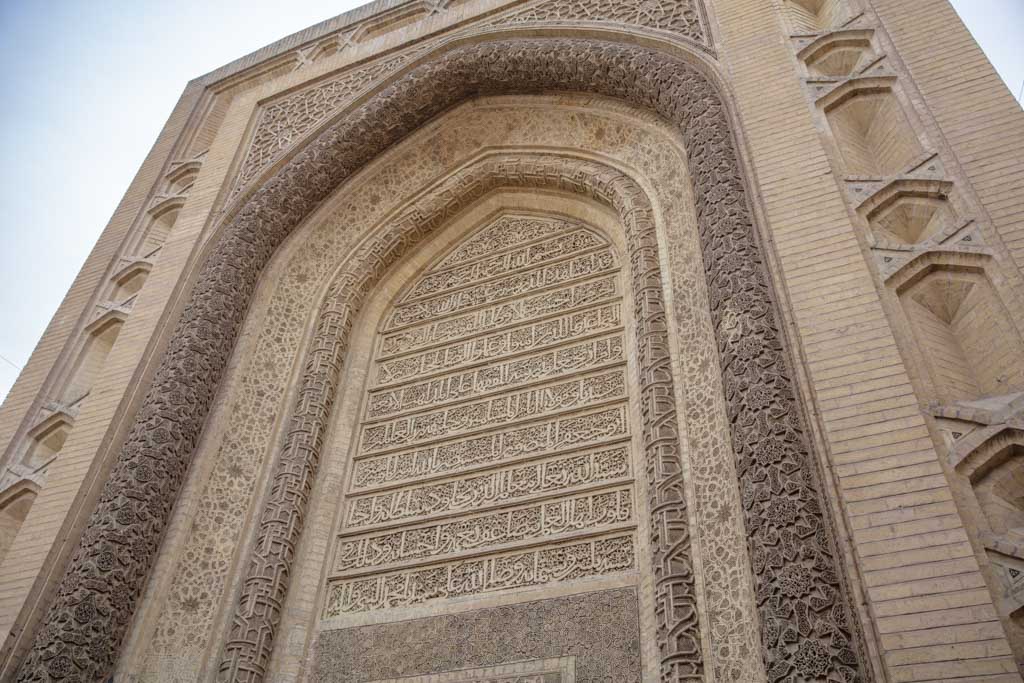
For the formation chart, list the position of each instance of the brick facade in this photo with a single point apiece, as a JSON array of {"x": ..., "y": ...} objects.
[{"x": 707, "y": 348}]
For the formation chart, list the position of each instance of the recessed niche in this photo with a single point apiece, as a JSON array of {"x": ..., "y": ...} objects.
[
  {"x": 180, "y": 180},
  {"x": 963, "y": 330},
  {"x": 161, "y": 221},
  {"x": 98, "y": 344},
  {"x": 871, "y": 130},
  {"x": 14, "y": 506},
  {"x": 999, "y": 488},
  {"x": 994, "y": 471},
  {"x": 46, "y": 441},
  {"x": 814, "y": 16},
  {"x": 129, "y": 283},
  {"x": 840, "y": 55},
  {"x": 910, "y": 212}
]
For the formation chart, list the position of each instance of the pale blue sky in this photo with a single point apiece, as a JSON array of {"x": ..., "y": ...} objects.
[{"x": 89, "y": 84}]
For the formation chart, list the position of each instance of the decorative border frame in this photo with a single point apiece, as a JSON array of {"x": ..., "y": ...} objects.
[
  {"x": 258, "y": 613},
  {"x": 806, "y": 622}
]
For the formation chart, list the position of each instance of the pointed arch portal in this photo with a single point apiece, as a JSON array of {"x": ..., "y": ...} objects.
[{"x": 808, "y": 629}]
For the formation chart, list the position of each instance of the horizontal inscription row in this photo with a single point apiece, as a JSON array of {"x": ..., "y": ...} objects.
[
  {"x": 577, "y": 560},
  {"x": 506, "y": 232},
  {"x": 481, "y": 491},
  {"x": 497, "y": 376},
  {"x": 526, "y": 338},
  {"x": 459, "y": 419},
  {"x": 491, "y": 318},
  {"x": 546, "y": 436},
  {"x": 577, "y": 513},
  {"x": 531, "y": 256},
  {"x": 503, "y": 288}
]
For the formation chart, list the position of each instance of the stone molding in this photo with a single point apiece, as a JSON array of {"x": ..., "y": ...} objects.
[{"x": 807, "y": 626}]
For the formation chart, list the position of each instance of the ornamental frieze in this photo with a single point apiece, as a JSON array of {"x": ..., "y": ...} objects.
[{"x": 478, "y": 491}]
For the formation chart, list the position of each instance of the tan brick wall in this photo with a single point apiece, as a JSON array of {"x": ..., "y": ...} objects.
[
  {"x": 926, "y": 596},
  {"x": 976, "y": 113}
]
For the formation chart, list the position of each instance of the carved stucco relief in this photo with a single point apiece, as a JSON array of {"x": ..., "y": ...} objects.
[
  {"x": 258, "y": 614},
  {"x": 685, "y": 18},
  {"x": 515, "y": 265},
  {"x": 806, "y": 625},
  {"x": 282, "y": 122},
  {"x": 601, "y": 643},
  {"x": 185, "y": 623}
]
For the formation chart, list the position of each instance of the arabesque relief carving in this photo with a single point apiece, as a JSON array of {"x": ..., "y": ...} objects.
[
  {"x": 683, "y": 17},
  {"x": 601, "y": 643},
  {"x": 282, "y": 122},
  {"x": 807, "y": 628}
]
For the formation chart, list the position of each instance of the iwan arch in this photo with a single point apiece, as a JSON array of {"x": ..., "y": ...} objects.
[{"x": 550, "y": 341}]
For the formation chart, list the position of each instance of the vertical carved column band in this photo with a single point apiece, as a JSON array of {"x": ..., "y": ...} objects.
[
  {"x": 807, "y": 628},
  {"x": 257, "y": 615}
]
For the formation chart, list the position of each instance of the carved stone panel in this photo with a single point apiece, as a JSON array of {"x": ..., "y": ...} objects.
[
  {"x": 457, "y": 446},
  {"x": 807, "y": 628},
  {"x": 591, "y": 638}
]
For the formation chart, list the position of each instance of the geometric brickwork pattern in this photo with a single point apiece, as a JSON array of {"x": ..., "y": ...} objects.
[
  {"x": 498, "y": 302},
  {"x": 807, "y": 629}
]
